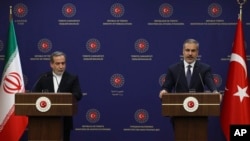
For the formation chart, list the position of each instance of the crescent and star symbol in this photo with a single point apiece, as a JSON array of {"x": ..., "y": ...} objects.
[
  {"x": 190, "y": 104},
  {"x": 242, "y": 92}
]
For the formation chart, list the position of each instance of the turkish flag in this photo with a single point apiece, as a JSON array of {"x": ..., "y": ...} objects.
[{"x": 236, "y": 99}]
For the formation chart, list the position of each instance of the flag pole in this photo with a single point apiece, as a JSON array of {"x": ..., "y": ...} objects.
[
  {"x": 10, "y": 17},
  {"x": 241, "y": 3}
]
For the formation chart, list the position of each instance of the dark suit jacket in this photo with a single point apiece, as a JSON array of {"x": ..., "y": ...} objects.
[
  {"x": 69, "y": 83},
  {"x": 176, "y": 81}
]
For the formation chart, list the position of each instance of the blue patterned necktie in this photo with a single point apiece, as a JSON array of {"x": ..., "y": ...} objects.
[{"x": 189, "y": 75}]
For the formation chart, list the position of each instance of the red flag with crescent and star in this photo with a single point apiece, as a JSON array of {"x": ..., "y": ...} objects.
[{"x": 236, "y": 99}]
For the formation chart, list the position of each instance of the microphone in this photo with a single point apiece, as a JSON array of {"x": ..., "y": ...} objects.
[
  {"x": 202, "y": 81},
  {"x": 33, "y": 86},
  {"x": 177, "y": 80}
]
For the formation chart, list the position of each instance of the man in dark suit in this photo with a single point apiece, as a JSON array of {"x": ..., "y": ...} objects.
[
  {"x": 58, "y": 80},
  {"x": 177, "y": 77},
  {"x": 189, "y": 75}
]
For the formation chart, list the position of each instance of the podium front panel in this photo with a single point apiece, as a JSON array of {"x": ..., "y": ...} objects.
[
  {"x": 191, "y": 104},
  {"x": 45, "y": 104}
]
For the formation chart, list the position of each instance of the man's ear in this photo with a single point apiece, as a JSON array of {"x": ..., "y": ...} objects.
[{"x": 51, "y": 64}]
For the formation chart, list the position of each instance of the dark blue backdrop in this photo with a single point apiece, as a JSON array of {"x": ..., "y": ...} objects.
[{"x": 121, "y": 51}]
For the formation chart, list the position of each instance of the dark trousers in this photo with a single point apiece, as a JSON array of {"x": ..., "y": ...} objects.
[
  {"x": 66, "y": 135},
  {"x": 67, "y": 127}
]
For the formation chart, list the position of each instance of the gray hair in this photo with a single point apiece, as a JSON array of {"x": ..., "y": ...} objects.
[
  {"x": 191, "y": 41},
  {"x": 56, "y": 53}
]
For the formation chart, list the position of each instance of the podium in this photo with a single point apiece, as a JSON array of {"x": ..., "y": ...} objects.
[
  {"x": 45, "y": 112},
  {"x": 189, "y": 113}
]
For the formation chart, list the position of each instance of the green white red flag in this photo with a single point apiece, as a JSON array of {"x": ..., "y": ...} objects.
[{"x": 11, "y": 126}]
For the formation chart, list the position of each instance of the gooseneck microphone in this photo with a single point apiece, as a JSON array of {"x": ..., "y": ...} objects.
[
  {"x": 34, "y": 85},
  {"x": 177, "y": 80},
  {"x": 202, "y": 81}
]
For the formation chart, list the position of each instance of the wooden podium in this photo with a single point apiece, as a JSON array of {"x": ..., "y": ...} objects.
[
  {"x": 189, "y": 113},
  {"x": 45, "y": 111}
]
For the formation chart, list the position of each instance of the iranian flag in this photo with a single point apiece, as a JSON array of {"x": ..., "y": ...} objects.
[{"x": 11, "y": 126}]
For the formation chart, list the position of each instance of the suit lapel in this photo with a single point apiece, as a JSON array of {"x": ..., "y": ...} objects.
[
  {"x": 195, "y": 74},
  {"x": 183, "y": 76},
  {"x": 50, "y": 83},
  {"x": 62, "y": 83}
]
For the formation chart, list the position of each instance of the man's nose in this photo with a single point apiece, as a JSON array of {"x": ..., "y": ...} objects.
[
  {"x": 190, "y": 52},
  {"x": 61, "y": 65}
]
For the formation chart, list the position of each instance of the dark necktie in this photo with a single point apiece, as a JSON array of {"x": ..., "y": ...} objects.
[{"x": 189, "y": 74}]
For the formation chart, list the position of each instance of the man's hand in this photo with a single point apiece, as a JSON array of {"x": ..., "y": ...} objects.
[{"x": 162, "y": 92}]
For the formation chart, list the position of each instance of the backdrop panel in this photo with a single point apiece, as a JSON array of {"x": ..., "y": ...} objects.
[{"x": 121, "y": 51}]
